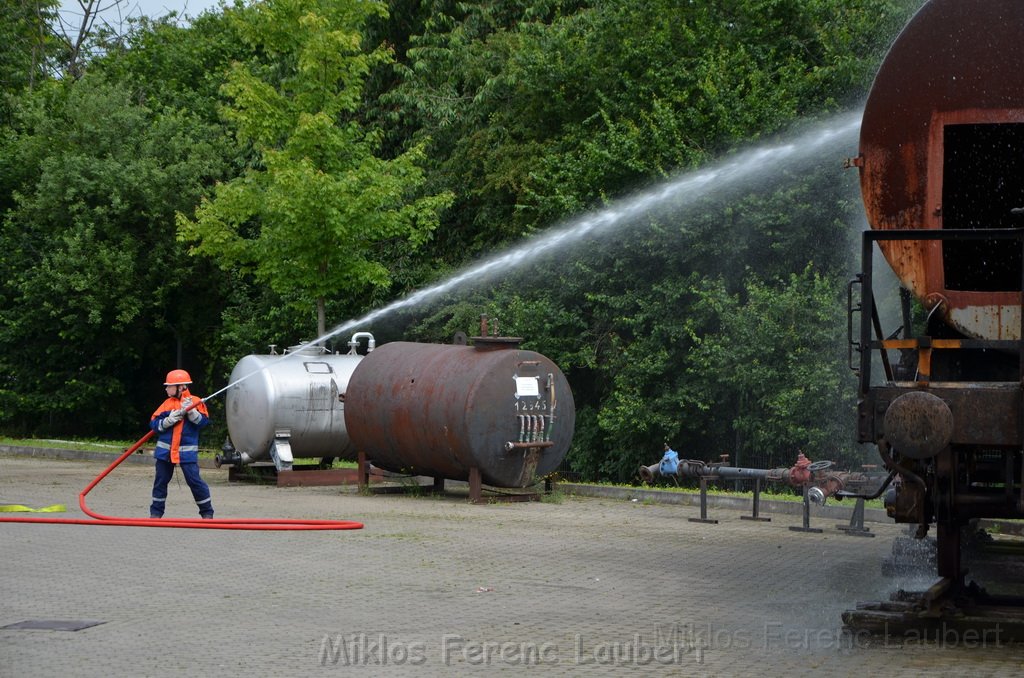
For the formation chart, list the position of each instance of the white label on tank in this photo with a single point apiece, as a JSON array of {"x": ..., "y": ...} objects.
[
  {"x": 527, "y": 386},
  {"x": 318, "y": 368}
]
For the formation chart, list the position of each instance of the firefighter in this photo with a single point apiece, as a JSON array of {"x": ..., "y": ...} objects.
[{"x": 177, "y": 429}]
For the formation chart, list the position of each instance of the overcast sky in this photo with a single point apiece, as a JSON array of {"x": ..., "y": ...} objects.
[{"x": 115, "y": 12}]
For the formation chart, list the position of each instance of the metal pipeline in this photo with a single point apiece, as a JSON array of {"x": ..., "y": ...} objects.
[
  {"x": 649, "y": 473},
  {"x": 883, "y": 452},
  {"x": 353, "y": 343},
  {"x": 804, "y": 473},
  {"x": 874, "y": 495},
  {"x": 826, "y": 487},
  {"x": 192, "y": 523},
  {"x": 551, "y": 413}
]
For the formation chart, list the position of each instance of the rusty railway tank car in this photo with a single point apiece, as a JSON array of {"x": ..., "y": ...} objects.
[
  {"x": 941, "y": 164},
  {"x": 491, "y": 412}
]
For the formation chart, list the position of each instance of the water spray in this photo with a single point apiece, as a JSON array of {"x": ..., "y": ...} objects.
[{"x": 683, "y": 189}]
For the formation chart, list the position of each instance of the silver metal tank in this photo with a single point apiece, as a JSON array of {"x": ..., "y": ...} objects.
[{"x": 285, "y": 406}]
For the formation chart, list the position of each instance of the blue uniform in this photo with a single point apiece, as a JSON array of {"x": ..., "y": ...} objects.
[{"x": 179, "y": 445}]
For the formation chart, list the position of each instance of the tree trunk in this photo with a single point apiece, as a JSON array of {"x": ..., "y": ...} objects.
[{"x": 321, "y": 317}]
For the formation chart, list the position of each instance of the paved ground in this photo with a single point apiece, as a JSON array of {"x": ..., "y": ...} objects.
[{"x": 438, "y": 587}]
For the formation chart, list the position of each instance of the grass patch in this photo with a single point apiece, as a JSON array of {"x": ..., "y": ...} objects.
[
  {"x": 116, "y": 447},
  {"x": 555, "y": 496},
  {"x": 111, "y": 446}
]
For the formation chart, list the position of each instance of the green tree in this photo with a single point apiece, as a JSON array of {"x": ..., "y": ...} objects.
[
  {"x": 27, "y": 43},
  {"x": 97, "y": 297},
  {"x": 174, "y": 66},
  {"x": 540, "y": 110},
  {"x": 308, "y": 219},
  {"x": 769, "y": 368}
]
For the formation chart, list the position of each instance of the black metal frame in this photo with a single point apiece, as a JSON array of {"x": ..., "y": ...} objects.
[{"x": 866, "y": 344}]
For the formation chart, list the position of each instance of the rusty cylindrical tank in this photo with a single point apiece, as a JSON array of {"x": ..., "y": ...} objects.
[{"x": 441, "y": 410}]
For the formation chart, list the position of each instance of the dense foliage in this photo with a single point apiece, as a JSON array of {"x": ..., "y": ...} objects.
[{"x": 202, "y": 190}]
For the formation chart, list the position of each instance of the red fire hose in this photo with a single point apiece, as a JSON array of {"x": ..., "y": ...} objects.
[{"x": 211, "y": 524}]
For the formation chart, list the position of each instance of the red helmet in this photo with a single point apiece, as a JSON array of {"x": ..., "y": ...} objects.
[{"x": 178, "y": 377}]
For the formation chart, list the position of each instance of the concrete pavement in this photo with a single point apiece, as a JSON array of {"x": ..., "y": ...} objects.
[{"x": 437, "y": 586}]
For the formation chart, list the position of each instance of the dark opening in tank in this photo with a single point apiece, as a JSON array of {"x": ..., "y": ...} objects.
[{"x": 983, "y": 180}]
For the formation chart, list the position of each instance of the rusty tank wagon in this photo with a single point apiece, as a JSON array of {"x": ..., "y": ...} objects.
[{"x": 941, "y": 164}]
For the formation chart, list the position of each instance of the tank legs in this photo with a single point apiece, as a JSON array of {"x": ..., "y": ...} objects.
[{"x": 475, "y": 486}]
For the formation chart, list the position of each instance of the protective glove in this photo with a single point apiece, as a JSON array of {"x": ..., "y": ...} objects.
[
  {"x": 171, "y": 419},
  {"x": 193, "y": 415}
]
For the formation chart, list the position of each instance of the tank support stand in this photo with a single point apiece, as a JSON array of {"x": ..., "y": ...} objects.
[
  {"x": 475, "y": 486},
  {"x": 478, "y": 492},
  {"x": 363, "y": 470}
]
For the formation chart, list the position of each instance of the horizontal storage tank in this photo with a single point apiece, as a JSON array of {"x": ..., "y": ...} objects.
[
  {"x": 442, "y": 410},
  {"x": 286, "y": 406}
]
